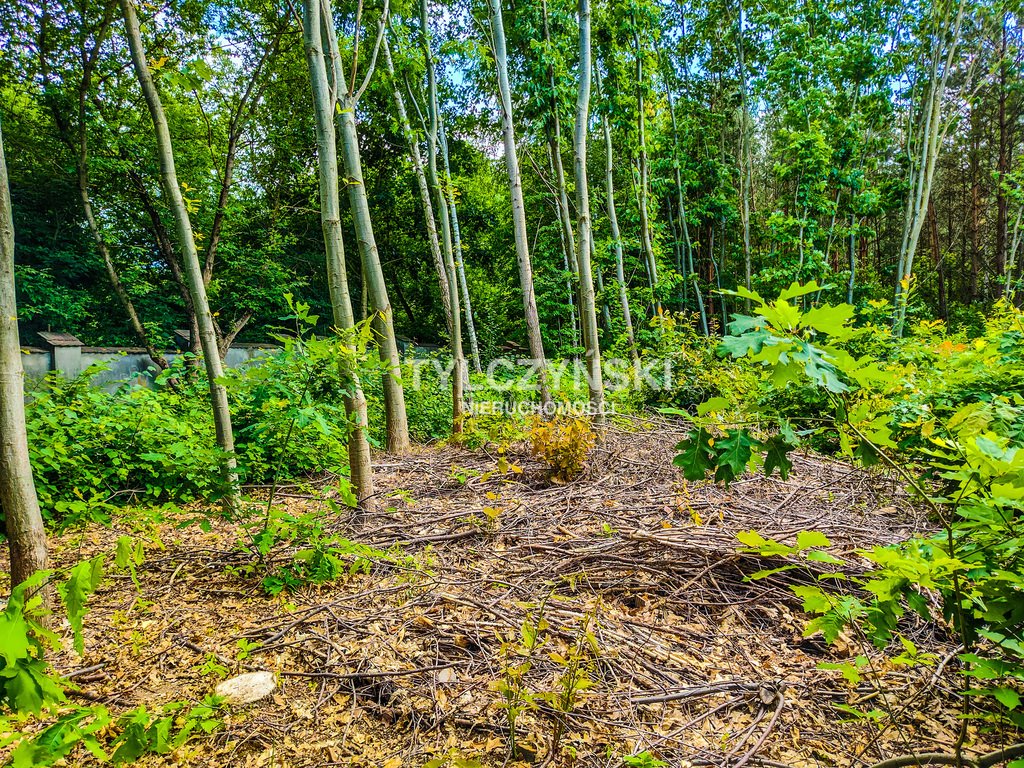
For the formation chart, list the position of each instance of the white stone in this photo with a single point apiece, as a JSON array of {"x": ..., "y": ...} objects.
[{"x": 247, "y": 688}]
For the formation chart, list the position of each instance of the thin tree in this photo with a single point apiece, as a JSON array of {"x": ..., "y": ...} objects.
[
  {"x": 460, "y": 266},
  {"x": 681, "y": 192},
  {"x": 924, "y": 141},
  {"x": 189, "y": 255},
  {"x": 348, "y": 93},
  {"x": 746, "y": 154},
  {"x": 643, "y": 182},
  {"x": 553, "y": 128},
  {"x": 90, "y": 43},
  {"x": 412, "y": 144},
  {"x": 324, "y": 104},
  {"x": 515, "y": 183},
  {"x": 459, "y": 374},
  {"x": 588, "y": 308},
  {"x": 613, "y": 223},
  {"x": 25, "y": 534}
]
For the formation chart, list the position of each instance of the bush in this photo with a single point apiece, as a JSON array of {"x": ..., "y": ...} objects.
[
  {"x": 88, "y": 447},
  {"x": 563, "y": 444}
]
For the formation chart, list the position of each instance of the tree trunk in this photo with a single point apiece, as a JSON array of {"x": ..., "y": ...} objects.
[
  {"x": 553, "y": 128},
  {"x": 25, "y": 534},
  {"x": 588, "y": 309},
  {"x": 646, "y": 240},
  {"x": 190, "y": 257},
  {"x": 384, "y": 323},
  {"x": 939, "y": 261},
  {"x": 89, "y": 57},
  {"x": 459, "y": 374},
  {"x": 613, "y": 223},
  {"x": 108, "y": 261},
  {"x": 518, "y": 207},
  {"x": 974, "y": 219},
  {"x": 606, "y": 313},
  {"x": 687, "y": 243},
  {"x": 421, "y": 181},
  {"x": 745, "y": 153},
  {"x": 929, "y": 133},
  {"x": 360, "y": 466},
  {"x": 852, "y": 256},
  {"x": 1002, "y": 167},
  {"x": 474, "y": 346}
]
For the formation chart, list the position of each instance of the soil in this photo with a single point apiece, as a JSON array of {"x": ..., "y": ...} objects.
[{"x": 628, "y": 579}]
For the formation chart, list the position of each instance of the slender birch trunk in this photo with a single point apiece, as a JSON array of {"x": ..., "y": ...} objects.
[
  {"x": 348, "y": 95},
  {"x": 588, "y": 309},
  {"x": 606, "y": 314},
  {"x": 518, "y": 207},
  {"x": 459, "y": 374},
  {"x": 687, "y": 243},
  {"x": 851, "y": 283},
  {"x": 190, "y": 256},
  {"x": 570, "y": 267},
  {"x": 646, "y": 240},
  {"x": 746, "y": 157},
  {"x": 929, "y": 133},
  {"x": 360, "y": 464},
  {"x": 613, "y": 223},
  {"x": 554, "y": 132},
  {"x": 421, "y": 181},
  {"x": 460, "y": 267},
  {"x": 384, "y": 322},
  {"x": 26, "y": 536}
]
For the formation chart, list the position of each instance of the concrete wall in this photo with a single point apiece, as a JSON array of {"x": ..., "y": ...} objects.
[{"x": 124, "y": 364}]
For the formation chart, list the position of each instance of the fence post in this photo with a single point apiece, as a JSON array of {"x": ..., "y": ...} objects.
[{"x": 65, "y": 353}]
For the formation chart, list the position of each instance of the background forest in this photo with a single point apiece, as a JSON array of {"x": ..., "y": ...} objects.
[{"x": 852, "y": 143}]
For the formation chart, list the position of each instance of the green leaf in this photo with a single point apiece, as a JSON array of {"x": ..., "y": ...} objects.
[
  {"x": 695, "y": 455},
  {"x": 734, "y": 452},
  {"x": 828, "y": 319},
  {"x": 776, "y": 456},
  {"x": 808, "y": 539},
  {"x": 713, "y": 405},
  {"x": 795, "y": 290},
  {"x": 1008, "y": 697},
  {"x": 823, "y": 557},
  {"x": 815, "y": 600},
  {"x": 752, "y": 342},
  {"x": 82, "y": 582}
]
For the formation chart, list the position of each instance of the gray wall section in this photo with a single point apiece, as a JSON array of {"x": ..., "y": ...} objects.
[{"x": 123, "y": 364}]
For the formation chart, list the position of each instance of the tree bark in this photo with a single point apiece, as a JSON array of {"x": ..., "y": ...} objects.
[
  {"x": 360, "y": 464},
  {"x": 745, "y": 153},
  {"x": 474, "y": 346},
  {"x": 553, "y": 127},
  {"x": 929, "y": 133},
  {"x": 460, "y": 372},
  {"x": 25, "y": 534},
  {"x": 347, "y": 95},
  {"x": 613, "y": 223},
  {"x": 424, "y": 189},
  {"x": 939, "y": 261},
  {"x": 588, "y": 309},
  {"x": 646, "y": 240},
  {"x": 384, "y": 321},
  {"x": 1002, "y": 167},
  {"x": 190, "y": 256},
  {"x": 687, "y": 243},
  {"x": 518, "y": 207}
]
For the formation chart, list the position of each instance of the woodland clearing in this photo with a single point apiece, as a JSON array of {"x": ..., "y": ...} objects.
[{"x": 480, "y": 565}]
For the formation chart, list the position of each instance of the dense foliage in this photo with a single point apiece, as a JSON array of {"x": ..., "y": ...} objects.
[{"x": 779, "y": 135}]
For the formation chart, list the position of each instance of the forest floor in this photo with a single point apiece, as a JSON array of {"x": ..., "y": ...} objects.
[{"x": 399, "y": 665}]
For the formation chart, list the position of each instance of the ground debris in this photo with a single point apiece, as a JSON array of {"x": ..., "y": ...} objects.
[{"x": 633, "y": 572}]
